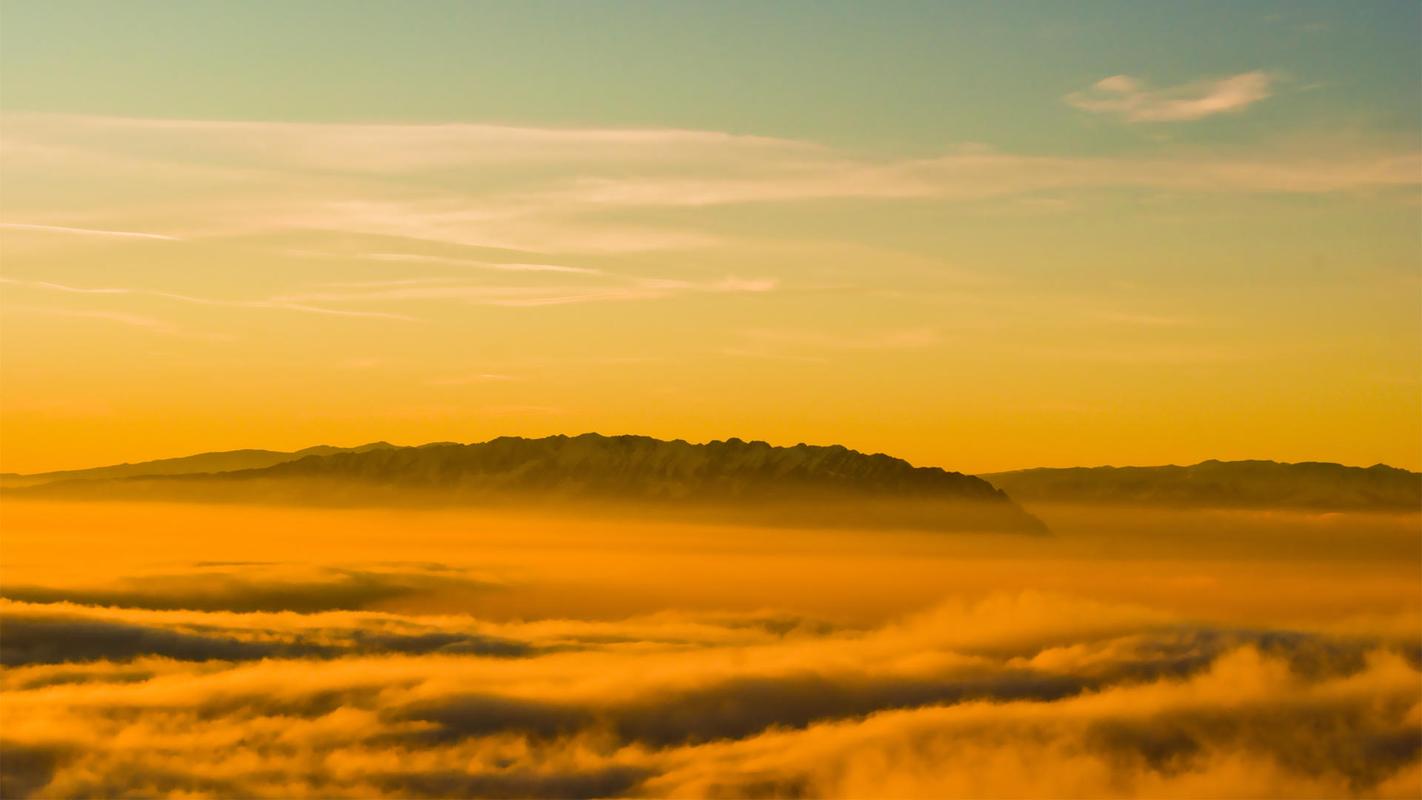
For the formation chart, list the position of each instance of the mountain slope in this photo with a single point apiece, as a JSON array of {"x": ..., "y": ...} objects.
[
  {"x": 733, "y": 478},
  {"x": 222, "y": 461},
  {"x": 1221, "y": 484}
]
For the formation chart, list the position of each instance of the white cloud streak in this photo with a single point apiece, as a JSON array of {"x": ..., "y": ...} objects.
[
  {"x": 1132, "y": 100},
  {"x": 555, "y": 191},
  {"x": 63, "y": 229},
  {"x": 273, "y": 303},
  {"x": 530, "y": 296},
  {"x": 466, "y": 262}
]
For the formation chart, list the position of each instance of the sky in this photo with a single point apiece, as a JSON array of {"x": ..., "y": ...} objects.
[{"x": 978, "y": 237}]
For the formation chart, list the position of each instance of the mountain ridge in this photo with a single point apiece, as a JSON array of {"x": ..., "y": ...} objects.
[
  {"x": 207, "y": 462},
  {"x": 809, "y": 483},
  {"x": 1248, "y": 483}
]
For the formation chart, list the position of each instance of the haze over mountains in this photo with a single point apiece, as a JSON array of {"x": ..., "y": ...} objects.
[
  {"x": 802, "y": 484},
  {"x": 222, "y": 461}
]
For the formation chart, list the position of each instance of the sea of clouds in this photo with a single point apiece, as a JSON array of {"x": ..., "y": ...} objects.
[{"x": 251, "y": 680}]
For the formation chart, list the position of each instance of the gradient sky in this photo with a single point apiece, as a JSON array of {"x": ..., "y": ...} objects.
[{"x": 981, "y": 237}]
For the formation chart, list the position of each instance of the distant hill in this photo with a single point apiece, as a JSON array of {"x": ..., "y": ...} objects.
[
  {"x": 733, "y": 478},
  {"x": 1221, "y": 484},
  {"x": 223, "y": 461}
]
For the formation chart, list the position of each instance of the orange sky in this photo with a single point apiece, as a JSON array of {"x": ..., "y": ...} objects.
[{"x": 1088, "y": 256}]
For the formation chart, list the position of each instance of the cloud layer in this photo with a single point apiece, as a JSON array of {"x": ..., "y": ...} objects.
[{"x": 263, "y": 680}]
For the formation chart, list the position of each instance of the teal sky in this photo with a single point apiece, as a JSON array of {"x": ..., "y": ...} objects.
[{"x": 901, "y": 76}]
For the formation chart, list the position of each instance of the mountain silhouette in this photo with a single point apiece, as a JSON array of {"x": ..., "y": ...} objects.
[
  {"x": 803, "y": 484},
  {"x": 1221, "y": 484},
  {"x": 221, "y": 461}
]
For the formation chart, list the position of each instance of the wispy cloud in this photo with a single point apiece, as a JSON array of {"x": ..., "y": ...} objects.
[
  {"x": 528, "y": 296},
  {"x": 338, "y": 299},
  {"x": 419, "y": 258},
  {"x": 273, "y": 303},
  {"x": 64, "y": 229},
  {"x": 521, "y": 220},
  {"x": 555, "y": 187},
  {"x": 1132, "y": 100},
  {"x": 120, "y": 317},
  {"x": 380, "y": 148},
  {"x": 979, "y": 173}
]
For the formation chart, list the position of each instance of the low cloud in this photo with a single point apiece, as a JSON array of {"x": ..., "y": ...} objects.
[
  {"x": 1014, "y": 695},
  {"x": 246, "y": 588},
  {"x": 504, "y": 655}
]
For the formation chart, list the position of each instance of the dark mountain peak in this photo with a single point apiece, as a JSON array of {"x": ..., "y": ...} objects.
[{"x": 643, "y": 467}]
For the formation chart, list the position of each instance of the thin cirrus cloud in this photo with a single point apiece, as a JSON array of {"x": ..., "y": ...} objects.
[
  {"x": 65, "y": 229},
  {"x": 357, "y": 293},
  {"x": 1133, "y": 101},
  {"x": 271, "y": 303},
  {"x": 576, "y": 213},
  {"x": 530, "y": 296},
  {"x": 567, "y": 191},
  {"x": 492, "y": 265},
  {"x": 978, "y": 174},
  {"x": 651, "y": 167},
  {"x": 382, "y": 148}
]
